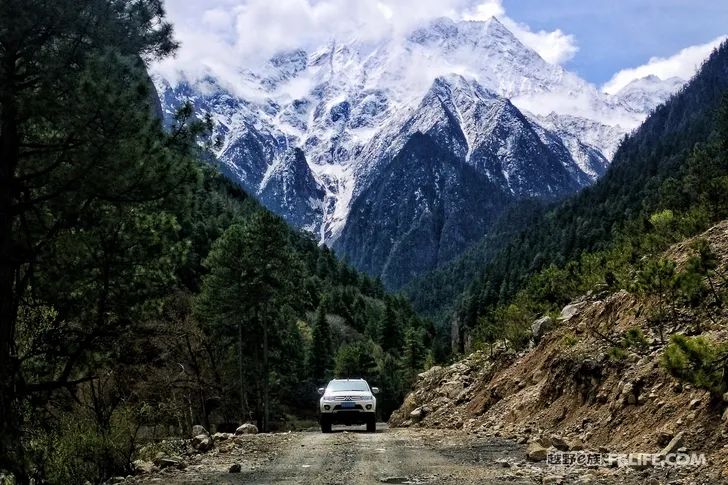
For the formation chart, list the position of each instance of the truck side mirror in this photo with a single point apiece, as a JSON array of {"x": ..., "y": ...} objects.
[
  {"x": 321, "y": 391},
  {"x": 375, "y": 390}
]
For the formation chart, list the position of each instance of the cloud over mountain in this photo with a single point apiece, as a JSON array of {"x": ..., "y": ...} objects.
[
  {"x": 684, "y": 64},
  {"x": 222, "y": 37}
]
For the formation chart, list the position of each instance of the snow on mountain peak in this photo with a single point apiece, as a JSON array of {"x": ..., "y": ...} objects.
[{"x": 343, "y": 103}]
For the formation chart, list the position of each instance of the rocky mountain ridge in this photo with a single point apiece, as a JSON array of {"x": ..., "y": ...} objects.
[{"x": 310, "y": 131}]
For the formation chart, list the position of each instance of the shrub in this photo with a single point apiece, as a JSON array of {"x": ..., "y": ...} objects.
[
  {"x": 78, "y": 452},
  {"x": 698, "y": 361}
]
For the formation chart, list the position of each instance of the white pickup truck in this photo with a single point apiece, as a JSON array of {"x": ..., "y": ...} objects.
[{"x": 348, "y": 401}]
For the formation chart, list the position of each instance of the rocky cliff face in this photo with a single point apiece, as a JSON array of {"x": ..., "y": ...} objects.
[{"x": 567, "y": 391}]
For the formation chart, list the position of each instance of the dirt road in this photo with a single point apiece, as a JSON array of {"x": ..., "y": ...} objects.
[{"x": 398, "y": 456}]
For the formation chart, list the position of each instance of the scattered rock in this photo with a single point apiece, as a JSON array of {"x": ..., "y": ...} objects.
[
  {"x": 570, "y": 311},
  {"x": 419, "y": 413},
  {"x": 168, "y": 461},
  {"x": 694, "y": 404},
  {"x": 559, "y": 443},
  {"x": 540, "y": 327},
  {"x": 552, "y": 480},
  {"x": 142, "y": 467},
  {"x": 675, "y": 443},
  {"x": 536, "y": 452},
  {"x": 247, "y": 428},
  {"x": 725, "y": 416},
  {"x": 664, "y": 436},
  {"x": 451, "y": 389},
  {"x": 198, "y": 429},
  {"x": 576, "y": 445},
  {"x": 202, "y": 443},
  {"x": 222, "y": 436},
  {"x": 235, "y": 468}
]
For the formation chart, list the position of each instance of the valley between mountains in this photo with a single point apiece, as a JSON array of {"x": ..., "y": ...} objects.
[{"x": 200, "y": 259}]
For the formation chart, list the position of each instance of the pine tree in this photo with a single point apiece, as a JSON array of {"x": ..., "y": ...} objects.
[
  {"x": 390, "y": 337},
  {"x": 253, "y": 273},
  {"x": 320, "y": 355},
  {"x": 413, "y": 354},
  {"x": 77, "y": 145}
]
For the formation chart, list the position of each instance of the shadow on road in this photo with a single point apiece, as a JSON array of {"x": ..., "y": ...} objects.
[{"x": 337, "y": 428}]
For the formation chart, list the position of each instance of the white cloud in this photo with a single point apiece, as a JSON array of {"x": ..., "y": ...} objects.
[
  {"x": 226, "y": 36},
  {"x": 684, "y": 65},
  {"x": 555, "y": 47},
  {"x": 485, "y": 10}
]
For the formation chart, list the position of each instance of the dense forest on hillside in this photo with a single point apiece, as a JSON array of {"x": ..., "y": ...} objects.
[
  {"x": 672, "y": 162},
  {"x": 141, "y": 293}
]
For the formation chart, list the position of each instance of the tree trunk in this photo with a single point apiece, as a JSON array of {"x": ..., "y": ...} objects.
[
  {"x": 243, "y": 406},
  {"x": 10, "y": 448},
  {"x": 266, "y": 377}
]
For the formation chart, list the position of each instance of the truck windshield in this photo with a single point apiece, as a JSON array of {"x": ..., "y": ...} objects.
[{"x": 348, "y": 386}]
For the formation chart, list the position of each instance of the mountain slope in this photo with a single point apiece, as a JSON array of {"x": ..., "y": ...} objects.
[
  {"x": 629, "y": 190},
  {"x": 423, "y": 210},
  {"x": 489, "y": 155}
]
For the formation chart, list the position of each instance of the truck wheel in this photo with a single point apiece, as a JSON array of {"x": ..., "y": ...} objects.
[
  {"x": 372, "y": 424},
  {"x": 325, "y": 424}
]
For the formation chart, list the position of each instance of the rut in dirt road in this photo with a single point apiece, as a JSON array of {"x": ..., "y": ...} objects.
[
  {"x": 352, "y": 456},
  {"x": 397, "y": 456}
]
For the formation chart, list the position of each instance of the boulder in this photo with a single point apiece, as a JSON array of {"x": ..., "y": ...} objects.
[
  {"x": 202, "y": 442},
  {"x": 247, "y": 428},
  {"x": 417, "y": 414},
  {"x": 198, "y": 429},
  {"x": 575, "y": 445},
  {"x": 222, "y": 436},
  {"x": 142, "y": 467},
  {"x": 163, "y": 461},
  {"x": 540, "y": 327},
  {"x": 536, "y": 452},
  {"x": 559, "y": 443},
  {"x": 694, "y": 404},
  {"x": 235, "y": 468},
  {"x": 452, "y": 389},
  {"x": 570, "y": 311}
]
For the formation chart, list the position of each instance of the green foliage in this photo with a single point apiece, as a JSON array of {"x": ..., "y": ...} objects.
[
  {"x": 569, "y": 340},
  {"x": 320, "y": 353},
  {"x": 667, "y": 182},
  {"x": 698, "y": 361},
  {"x": 414, "y": 354},
  {"x": 616, "y": 354},
  {"x": 634, "y": 338},
  {"x": 78, "y": 451},
  {"x": 356, "y": 360}
]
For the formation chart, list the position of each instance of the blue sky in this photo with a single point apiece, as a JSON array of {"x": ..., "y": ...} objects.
[{"x": 617, "y": 34}]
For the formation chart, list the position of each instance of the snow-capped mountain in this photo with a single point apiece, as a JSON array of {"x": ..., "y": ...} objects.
[
  {"x": 314, "y": 134},
  {"x": 645, "y": 94}
]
